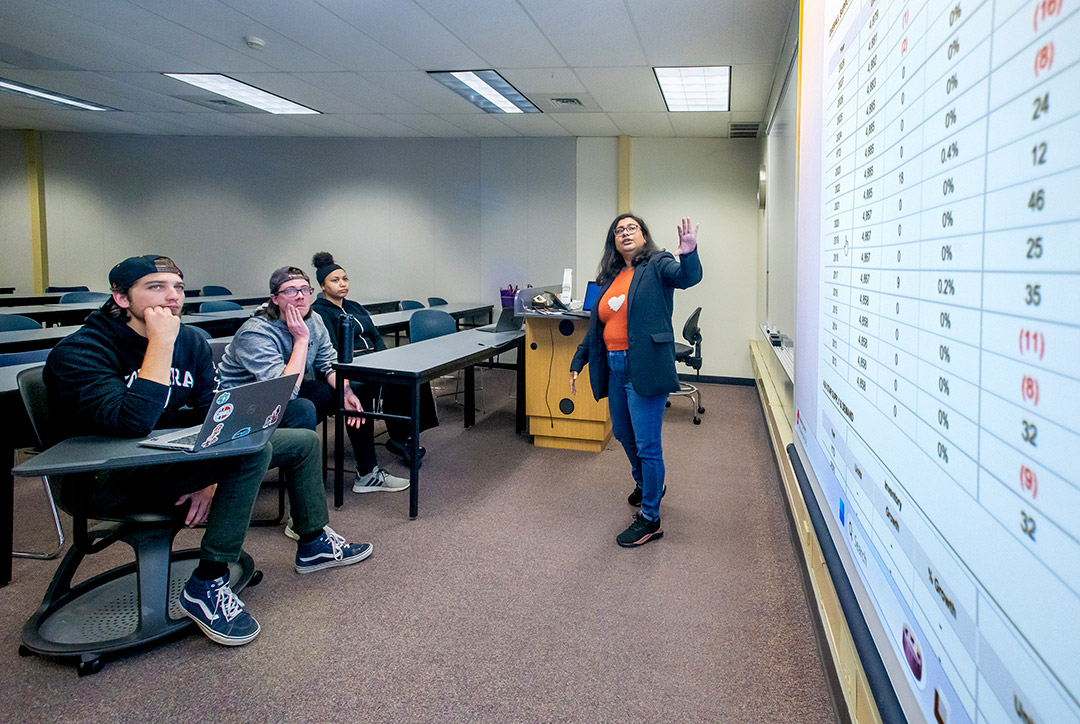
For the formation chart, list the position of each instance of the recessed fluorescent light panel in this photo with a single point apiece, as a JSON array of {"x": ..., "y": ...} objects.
[
  {"x": 44, "y": 95},
  {"x": 696, "y": 88},
  {"x": 249, "y": 95},
  {"x": 485, "y": 89}
]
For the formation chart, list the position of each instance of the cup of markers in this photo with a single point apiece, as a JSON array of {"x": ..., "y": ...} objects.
[{"x": 507, "y": 294}]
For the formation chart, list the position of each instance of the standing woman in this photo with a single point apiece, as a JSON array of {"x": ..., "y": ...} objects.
[
  {"x": 332, "y": 306},
  {"x": 630, "y": 350}
]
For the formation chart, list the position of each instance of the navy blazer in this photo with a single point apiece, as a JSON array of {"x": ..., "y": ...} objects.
[{"x": 651, "y": 357}]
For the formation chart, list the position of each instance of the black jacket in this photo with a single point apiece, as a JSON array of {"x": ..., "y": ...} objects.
[
  {"x": 366, "y": 337},
  {"x": 93, "y": 388},
  {"x": 651, "y": 357}
]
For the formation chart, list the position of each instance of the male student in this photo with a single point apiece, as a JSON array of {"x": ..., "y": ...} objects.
[{"x": 133, "y": 368}]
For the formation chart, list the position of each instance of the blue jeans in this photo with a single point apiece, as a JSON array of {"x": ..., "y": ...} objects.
[{"x": 636, "y": 423}]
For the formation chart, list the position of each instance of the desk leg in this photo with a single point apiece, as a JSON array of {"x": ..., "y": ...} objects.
[
  {"x": 339, "y": 444},
  {"x": 519, "y": 418},
  {"x": 414, "y": 450},
  {"x": 470, "y": 396},
  {"x": 7, "y": 514}
]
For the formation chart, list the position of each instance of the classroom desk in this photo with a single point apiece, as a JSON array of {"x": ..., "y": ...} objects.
[
  {"x": 191, "y": 306},
  {"x": 399, "y": 321},
  {"x": 13, "y": 300},
  {"x": 16, "y": 433},
  {"x": 68, "y": 621},
  {"x": 21, "y": 340},
  {"x": 414, "y": 364},
  {"x": 55, "y": 313}
]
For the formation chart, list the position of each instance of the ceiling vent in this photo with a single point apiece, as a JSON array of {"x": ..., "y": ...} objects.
[
  {"x": 744, "y": 130},
  {"x": 565, "y": 102}
]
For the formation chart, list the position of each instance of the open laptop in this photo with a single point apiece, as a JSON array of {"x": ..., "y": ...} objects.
[
  {"x": 507, "y": 322},
  {"x": 592, "y": 291},
  {"x": 233, "y": 413}
]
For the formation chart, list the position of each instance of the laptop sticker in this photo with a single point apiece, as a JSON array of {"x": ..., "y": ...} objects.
[
  {"x": 272, "y": 417},
  {"x": 223, "y": 412},
  {"x": 241, "y": 432},
  {"x": 222, "y": 398}
]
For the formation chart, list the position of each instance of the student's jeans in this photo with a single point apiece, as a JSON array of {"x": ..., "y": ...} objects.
[
  {"x": 156, "y": 488},
  {"x": 636, "y": 423}
]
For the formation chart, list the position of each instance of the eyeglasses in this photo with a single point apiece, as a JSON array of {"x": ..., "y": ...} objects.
[
  {"x": 291, "y": 292},
  {"x": 628, "y": 229}
]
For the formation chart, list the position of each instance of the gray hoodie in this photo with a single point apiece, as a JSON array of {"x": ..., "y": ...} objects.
[{"x": 261, "y": 348}]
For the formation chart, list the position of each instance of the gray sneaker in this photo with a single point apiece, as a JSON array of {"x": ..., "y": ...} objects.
[{"x": 378, "y": 479}]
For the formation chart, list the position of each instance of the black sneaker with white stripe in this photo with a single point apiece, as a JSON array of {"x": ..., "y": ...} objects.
[
  {"x": 640, "y": 532},
  {"x": 328, "y": 551}
]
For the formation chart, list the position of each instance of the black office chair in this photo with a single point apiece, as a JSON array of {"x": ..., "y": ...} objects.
[
  {"x": 14, "y": 322},
  {"x": 212, "y": 290},
  {"x": 11, "y": 359},
  {"x": 84, "y": 296},
  {"x": 409, "y": 304},
  {"x": 218, "y": 306},
  {"x": 52, "y": 290},
  {"x": 691, "y": 357},
  {"x": 127, "y": 607},
  {"x": 201, "y": 332},
  {"x": 436, "y": 301}
]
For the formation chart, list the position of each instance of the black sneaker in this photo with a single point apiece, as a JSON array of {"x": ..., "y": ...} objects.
[
  {"x": 402, "y": 451},
  {"x": 634, "y": 498},
  {"x": 640, "y": 532}
]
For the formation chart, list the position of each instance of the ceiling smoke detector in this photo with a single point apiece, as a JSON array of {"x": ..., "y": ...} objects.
[{"x": 254, "y": 43}]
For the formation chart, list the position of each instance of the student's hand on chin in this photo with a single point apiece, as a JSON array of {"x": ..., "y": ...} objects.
[
  {"x": 297, "y": 327},
  {"x": 161, "y": 323}
]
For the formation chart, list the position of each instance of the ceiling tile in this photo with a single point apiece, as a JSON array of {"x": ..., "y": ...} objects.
[
  {"x": 586, "y": 124},
  {"x": 499, "y": 32},
  {"x": 588, "y": 34},
  {"x": 700, "y": 125},
  {"x": 699, "y": 32},
  {"x": 750, "y": 86},
  {"x": 643, "y": 124},
  {"x": 629, "y": 90}
]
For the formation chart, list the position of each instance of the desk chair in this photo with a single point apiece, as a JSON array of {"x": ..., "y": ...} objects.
[
  {"x": 127, "y": 607},
  {"x": 13, "y": 322},
  {"x": 201, "y": 332},
  {"x": 409, "y": 304},
  {"x": 84, "y": 296},
  {"x": 218, "y": 306},
  {"x": 436, "y": 301},
  {"x": 429, "y": 323},
  {"x": 211, "y": 290},
  {"x": 21, "y": 358},
  {"x": 690, "y": 356},
  {"x": 53, "y": 290}
]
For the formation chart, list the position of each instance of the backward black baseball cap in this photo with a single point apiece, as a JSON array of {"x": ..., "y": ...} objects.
[{"x": 134, "y": 268}]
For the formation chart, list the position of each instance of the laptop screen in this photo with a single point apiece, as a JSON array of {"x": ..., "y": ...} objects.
[{"x": 591, "y": 293}]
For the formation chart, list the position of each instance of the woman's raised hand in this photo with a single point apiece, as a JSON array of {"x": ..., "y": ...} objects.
[{"x": 687, "y": 238}]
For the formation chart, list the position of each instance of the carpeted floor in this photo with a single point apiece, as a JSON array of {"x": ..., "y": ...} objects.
[{"x": 507, "y": 600}]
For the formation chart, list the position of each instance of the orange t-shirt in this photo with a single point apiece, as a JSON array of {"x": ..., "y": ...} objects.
[{"x": 612, "y": 312}]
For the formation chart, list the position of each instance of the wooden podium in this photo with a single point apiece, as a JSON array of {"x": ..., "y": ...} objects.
[{"x": 557, "y": 418}]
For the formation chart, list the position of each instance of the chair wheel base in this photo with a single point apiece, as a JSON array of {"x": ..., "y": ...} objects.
[
  {"x": 697, "y": 420},
  {"x": 701, "y": 410},
  {"x": 23, "y": 651},
  {"x": 86, "y": 668},
  {"x": 667, "y": 404},
  {"x": 256, "y": 578}
]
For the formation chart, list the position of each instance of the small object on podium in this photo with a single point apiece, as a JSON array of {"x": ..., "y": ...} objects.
[{"x": 507, "y": 295}]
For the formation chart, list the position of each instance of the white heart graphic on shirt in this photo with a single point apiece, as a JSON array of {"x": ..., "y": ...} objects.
[{"x": 616, "y": 302}]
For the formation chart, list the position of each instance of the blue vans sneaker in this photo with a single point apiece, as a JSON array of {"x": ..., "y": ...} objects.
[
  {"x": 218, "y": 611},
  {"x": 329, "y": 550}
]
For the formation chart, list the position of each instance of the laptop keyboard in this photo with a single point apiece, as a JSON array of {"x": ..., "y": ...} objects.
[{"x": 188, "y": 439}]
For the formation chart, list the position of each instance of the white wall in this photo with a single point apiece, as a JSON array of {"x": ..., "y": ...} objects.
[
  {"x": 714, "y": 183},
  {"x": 407, "y": 218},
  {"x": 17, "y": 268}
]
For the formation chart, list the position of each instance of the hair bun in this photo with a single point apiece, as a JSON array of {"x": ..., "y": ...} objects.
[{"x": 321, "y": 259}]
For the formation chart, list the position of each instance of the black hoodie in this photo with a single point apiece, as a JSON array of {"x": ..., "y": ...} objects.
[{"x": 93, "y": 388}]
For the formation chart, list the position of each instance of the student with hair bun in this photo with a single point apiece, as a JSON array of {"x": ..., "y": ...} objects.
[{"x": 332, "y": 306}]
